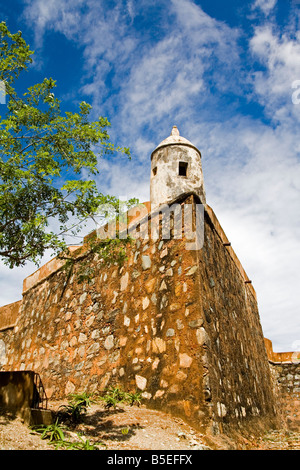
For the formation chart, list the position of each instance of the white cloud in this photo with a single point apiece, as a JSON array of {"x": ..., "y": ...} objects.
[
  {"x": 152, "y": 79},
  {"x": 52, "y": 14},
  {"x": 279, "y": 55},
  {"x": 202, "y": 28},
  {"x": 265, "y": 5},
  {"x": 129, "y": 179},
  {"x": 167, "y": 81}
]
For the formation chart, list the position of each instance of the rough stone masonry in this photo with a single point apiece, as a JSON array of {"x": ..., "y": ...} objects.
[{"x": 181, "y": 326}]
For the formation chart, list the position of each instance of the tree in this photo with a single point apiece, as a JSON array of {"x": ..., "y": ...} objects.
[{"x": 43, "y": 153}]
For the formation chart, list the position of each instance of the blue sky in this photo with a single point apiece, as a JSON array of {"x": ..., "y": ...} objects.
[{"x": 223, "y": 73}]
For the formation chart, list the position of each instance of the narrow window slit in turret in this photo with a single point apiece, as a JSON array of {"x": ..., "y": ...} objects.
[{"x": 182, "y": 170}]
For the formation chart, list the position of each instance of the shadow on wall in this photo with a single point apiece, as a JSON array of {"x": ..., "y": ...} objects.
[{"x": 16, "y": 391}]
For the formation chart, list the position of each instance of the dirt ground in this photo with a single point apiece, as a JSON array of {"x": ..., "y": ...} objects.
[{"x": 136, "y": 428}]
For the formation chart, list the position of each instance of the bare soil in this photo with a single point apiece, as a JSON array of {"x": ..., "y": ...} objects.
[{"x": 137, "y": 428}]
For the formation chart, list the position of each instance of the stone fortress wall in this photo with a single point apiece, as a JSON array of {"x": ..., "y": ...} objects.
[{"x": 180, "y": 325}]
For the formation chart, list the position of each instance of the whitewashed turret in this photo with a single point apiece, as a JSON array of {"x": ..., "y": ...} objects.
[{"x": 175, "y": 169}]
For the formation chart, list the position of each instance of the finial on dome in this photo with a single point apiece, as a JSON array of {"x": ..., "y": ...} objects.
[{"x": 175, "y": 131}]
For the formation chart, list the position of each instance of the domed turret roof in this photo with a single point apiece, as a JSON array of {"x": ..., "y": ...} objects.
[{"x": 175, "y": 139}]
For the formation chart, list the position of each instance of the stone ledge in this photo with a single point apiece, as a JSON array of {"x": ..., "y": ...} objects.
[
  {"x": 9, "y": 314},
  {"x": 49, "y": 268},
  {"x": 281, "y": 357}
]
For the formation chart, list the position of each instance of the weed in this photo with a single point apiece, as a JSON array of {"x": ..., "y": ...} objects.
[
  {"x": 70, "y": 412},
  {"x": 134, "y": 398},
  {"x": 83, "y": 400},
  {"x": 73, "y": 411},
  {"x": 78, "y": 404},
  {"x": 115, "y": 395},
  {"x": 82, "y": 444},
  {"x": 53, "y": 432}
]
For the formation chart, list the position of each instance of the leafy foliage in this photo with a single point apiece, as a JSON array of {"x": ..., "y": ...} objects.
[
  {"x": 134, "y": 398},
  {"x": 76, "y": 408},
  {"x": 44, "y": 155},
  {"x": 115, "y": 395},
  {"x": 56, "y": 436},
  {"x": 54, "y": 432},
  {"x": 83, "y": 399},
  {"x": 73, "y": 412},
  {"x": 81, "y": 444},
  {"x": 70, "y": 412}
]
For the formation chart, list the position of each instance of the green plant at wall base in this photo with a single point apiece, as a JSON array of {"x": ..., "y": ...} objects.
[
  {"x": 76, "y": 408},
  {"x": 113, "y": 396},
  {"x": 56, "y": 437},
  {"x": 116, "y": 395},
  {"x": 70, "y": 412},
  {"x": 82, "y": 444},
  {"x": 54, "y": 432},
  {"x": 134, "y": 398},
  {"x": 83, "y": 399}
]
